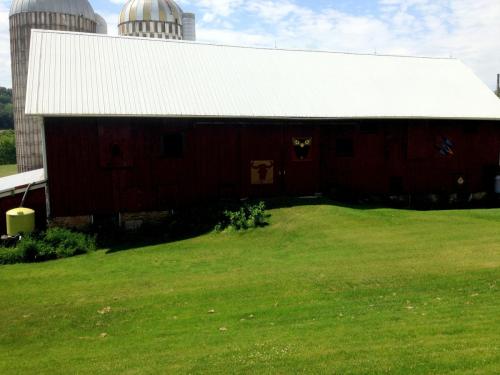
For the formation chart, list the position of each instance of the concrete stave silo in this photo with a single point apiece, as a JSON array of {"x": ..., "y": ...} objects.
[
  {"x": 188, "y": 26},
  {"x": 101, "y": 25},
  {"x": 25, "y": 15}
]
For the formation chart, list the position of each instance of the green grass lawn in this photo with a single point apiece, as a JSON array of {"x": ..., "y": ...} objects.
[
  {"x": 8, "y": 169},
  {"x": 323, "y": 289}
]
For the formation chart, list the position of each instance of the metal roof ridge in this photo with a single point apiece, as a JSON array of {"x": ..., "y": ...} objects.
[{"x": 175, "y": 41}]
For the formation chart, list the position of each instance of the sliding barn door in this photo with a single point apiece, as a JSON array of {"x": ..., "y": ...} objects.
[
  {"x": 261, "y": 160},
  {"x": 301, "y": 160}
]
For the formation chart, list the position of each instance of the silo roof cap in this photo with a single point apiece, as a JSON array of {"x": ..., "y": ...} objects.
[
  {"x": 73, "y": 7},
  {"x": 151, "y": 10}
]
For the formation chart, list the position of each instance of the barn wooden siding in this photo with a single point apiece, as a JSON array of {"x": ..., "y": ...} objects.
[{"x": 106, "y": 165}]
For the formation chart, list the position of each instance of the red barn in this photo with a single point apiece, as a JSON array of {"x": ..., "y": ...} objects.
[{"x": 141, "y": 125}]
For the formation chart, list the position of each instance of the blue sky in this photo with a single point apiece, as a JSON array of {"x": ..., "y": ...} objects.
[{"x": 465, "y": 29}]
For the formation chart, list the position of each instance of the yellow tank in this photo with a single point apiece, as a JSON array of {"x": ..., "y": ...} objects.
[{"x": 20, "y": 220}]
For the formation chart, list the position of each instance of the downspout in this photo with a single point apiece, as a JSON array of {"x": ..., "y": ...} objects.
[
  {"x": 25, "y": 194},
  {"x": 45, "y": 171}
]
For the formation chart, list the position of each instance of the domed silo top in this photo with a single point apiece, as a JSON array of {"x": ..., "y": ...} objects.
[
  {"x": 151, "y": 10},
  {"x": 102, "y": 26},
  {"x": 73, "y": 7}
]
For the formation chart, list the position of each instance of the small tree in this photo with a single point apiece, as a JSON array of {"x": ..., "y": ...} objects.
[{"x": 7, "y": 147}]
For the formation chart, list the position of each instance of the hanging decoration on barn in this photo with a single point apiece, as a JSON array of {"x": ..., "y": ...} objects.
[
  {"x": 445, "y": 146},
  {"x": 262, "y": 172},
  {"x": 302, "y": 148}
]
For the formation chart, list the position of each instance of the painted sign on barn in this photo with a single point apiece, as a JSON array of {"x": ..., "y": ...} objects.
[{"x": 262, "y": 172}]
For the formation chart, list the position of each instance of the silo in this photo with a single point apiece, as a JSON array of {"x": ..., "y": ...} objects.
[
  {"x": 152, "y": 19},
  {"x": 102, "y": 26},
  {"x": 189, "y": 26},
  {"x": 70, "y": 15}
]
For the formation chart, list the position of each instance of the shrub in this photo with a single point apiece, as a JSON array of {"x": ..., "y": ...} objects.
[
  {"x": 7, "y": 147},
  {"x": 10, "y": 255},
  {"x": 55, "y": 243},
  {"x": 33, "y": 249},
  {"x": 247, "y": 216},
  {"x": 68, "y": 243}
]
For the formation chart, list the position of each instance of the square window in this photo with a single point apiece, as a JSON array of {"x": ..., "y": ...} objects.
[
  {"x": 344, "y": 147},
  {"x": 172, "y": 145}
]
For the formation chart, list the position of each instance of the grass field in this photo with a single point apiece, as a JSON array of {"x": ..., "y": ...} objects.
[
  {"x": 323, "y": 289},
  {"x": 8, "y": 169}
]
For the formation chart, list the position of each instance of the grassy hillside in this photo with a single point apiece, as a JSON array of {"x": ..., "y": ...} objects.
[
  {"x": 324, "y": 289},
  {"x": 8, "y": 169}
]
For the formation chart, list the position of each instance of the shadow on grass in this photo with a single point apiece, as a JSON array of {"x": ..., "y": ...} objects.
[
  {"x": 192, "y": 222},
  {"x": 185, "y": 223}
]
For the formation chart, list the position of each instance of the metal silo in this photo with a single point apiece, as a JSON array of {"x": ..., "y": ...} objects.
[
  {"x": 152, "y": 18},
  {"x": 70, "y": 15},
  {"x": 102, "y": 26},
  {"x": 189, "y": 26}
]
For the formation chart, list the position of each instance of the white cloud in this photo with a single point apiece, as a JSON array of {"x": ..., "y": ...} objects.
[{"x": 465, "y": 29}]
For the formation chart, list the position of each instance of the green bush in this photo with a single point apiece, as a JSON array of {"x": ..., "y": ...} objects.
[
  {"x": 67, "y": 243},
  {"x": 6, "y": 110},
  {"x": 55, "y": 243},
  {"x": 247, "y": 216},
  {"x": 33, "y": 249},
  {"x": 7, "y": 147},
  {"x": 10, "y": 255}
]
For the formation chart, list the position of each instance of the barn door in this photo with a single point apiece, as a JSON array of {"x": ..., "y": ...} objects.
[
  {"x": 301, "y": 159},
  {"x": 280, "y": 160},
  {"x": 261, "y": 148}
]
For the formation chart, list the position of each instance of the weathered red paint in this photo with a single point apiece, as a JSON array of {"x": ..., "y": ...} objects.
[{"x": 99, "y": 165}]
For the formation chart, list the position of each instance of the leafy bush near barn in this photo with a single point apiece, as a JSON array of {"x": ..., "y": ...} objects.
[
  {"x": 10, "y": 255},
  {"x": 7, "y": 147},
  {"x": 55, "y": 243},
  {"x": 246, "y": 217}
]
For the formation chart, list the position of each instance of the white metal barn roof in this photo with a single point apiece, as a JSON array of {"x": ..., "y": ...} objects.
[
  {"x": 77, "y": 74},
  {"x": 17, "y": 183}
]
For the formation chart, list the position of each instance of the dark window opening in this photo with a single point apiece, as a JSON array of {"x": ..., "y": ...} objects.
[
  {"x": 344, "y": 147},
  {"x": 396, "y": 185},
  {"x": 116, "y": 151},
  {"x": 172, "y": 145}
]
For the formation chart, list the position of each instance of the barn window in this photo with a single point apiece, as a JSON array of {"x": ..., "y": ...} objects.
[
  {"x": 172, "y": 145},
  {"x": 116, "y": 151},
  {"x": 396, "y": 185},
  {"x": 344, "y": 147}
]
